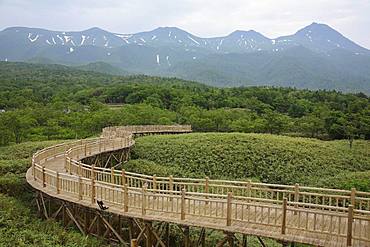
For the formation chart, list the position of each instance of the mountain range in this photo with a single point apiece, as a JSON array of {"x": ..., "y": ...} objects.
[{"x": 315, "y": 57}]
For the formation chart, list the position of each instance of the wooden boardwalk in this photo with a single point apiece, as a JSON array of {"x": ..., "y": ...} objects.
[{"x": 290, "y": 213}]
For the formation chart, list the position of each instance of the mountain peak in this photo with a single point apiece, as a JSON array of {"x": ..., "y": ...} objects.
[
  {"x": 323, "y": 38},
  {"x": 316, "y": 27},
  {"x": 248, "y": 34},
  {"x": 95, "y": 30},
  {"x": 244, "y": 32},
  {"x": 173, "y": 29}
]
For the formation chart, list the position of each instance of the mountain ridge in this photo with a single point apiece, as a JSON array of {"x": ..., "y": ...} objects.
[{"x": 239, "y": 58}]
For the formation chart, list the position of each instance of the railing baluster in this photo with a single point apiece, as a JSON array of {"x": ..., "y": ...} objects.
[
  {"x": 228, "y": 209},
  {"x": 283, "y": 222},
  {"x": 143, "y": 200},
  {"x": 183, "y": 205},
  {"x": 349, "y": 225}
]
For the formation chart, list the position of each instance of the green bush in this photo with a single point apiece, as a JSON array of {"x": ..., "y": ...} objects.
[
  {"x": 270, "y": 158},
  {"x": 20, "y": 227}
]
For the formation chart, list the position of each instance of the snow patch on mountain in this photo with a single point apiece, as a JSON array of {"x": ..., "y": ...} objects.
[
  {"x": 193, "y": 40},
  {"x": 60, "y": 39},
  {"x": 83, "y": 38},
  {"x": 32, "y": 39},
  {"x": 168, "y": 60},
  {"x": 124, "y": 37},
  {"x": 67, "y": 38}
]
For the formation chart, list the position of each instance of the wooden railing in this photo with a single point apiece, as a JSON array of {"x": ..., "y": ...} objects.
[
  {"x": 339, "y": 214},
  {"x": 123, "y": 131}
]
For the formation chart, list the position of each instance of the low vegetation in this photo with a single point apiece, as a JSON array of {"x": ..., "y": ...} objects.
[
  {"x": 19, "y": 224},
  {"x": 262, "y": 157}
]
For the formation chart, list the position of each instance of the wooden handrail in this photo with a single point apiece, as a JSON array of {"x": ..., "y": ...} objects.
[{"x": 185, "y": 192}]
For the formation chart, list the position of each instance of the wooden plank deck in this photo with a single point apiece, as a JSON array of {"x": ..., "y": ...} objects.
[{"x": 302, "y": 215}]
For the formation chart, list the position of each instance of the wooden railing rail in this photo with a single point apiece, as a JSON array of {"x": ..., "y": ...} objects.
[
  {"x": 309, "y": 195},
  {"x": 227, "y": 207},
  {"x": 285, "y": 208}
]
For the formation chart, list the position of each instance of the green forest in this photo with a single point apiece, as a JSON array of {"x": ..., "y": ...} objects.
[{"x": 47, "y": 102}]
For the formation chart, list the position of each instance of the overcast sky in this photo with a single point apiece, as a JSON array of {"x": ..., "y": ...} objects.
[{"x": 205, "y": 18}]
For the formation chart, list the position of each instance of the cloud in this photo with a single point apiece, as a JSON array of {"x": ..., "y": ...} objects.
[{"x": 204, "y": 18}]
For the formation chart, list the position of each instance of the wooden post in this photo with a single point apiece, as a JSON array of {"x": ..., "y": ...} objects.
[
  {"x": 79, "y": 169},
  {"x": 92, "y": 172},
  {"x": 349, "y": 225},
  {"x": 353, "y": 197},
  {"x": 57, "y": 183},
  {"x": 228, "y": 208},
  {"x": 296, "y": 193},
  {"x": 183, "y": 205},
  {"x": 112, "y": 175},
  {"x": 65, "y": 161},
  {"x": 170, "y": 183},
  {"x": 87, "y": 221},
  {"x": 245, "y": 240},
  {"x": 133, "y": 243},
  {"x": 85, "y": 151},
  {"x": 33, "y": 170},
  {"x": 154, "y": 182},
  {"x": 249, "y": 188},
  {"x": 283, "y": 221},
  {"x": 186, "y": 236},
  {"x": 206, "y": 188},
  {"x": 98, "y": 226},
  {"x": 125, "y": 198},
  {"x": 123, "y": 177},
  {"x": 296, "y": 196},
  {"x": 93, "y": 190},
  {"x": 149, "y": 234},
  {"x": 43, "y": 177},
  {"x": 69, "y": 166},
  {"x": 143, "y": 200},
  {"x": 80, "y": 188}
]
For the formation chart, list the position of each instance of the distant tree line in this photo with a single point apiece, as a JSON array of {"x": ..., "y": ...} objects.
[{"x": 52, "y": 102}]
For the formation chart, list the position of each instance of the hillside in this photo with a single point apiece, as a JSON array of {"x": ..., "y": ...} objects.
[
  {"x": 315, "y": 57},
  {"x": 102, "y": 67},
  {"x": 266, "y": 158}
]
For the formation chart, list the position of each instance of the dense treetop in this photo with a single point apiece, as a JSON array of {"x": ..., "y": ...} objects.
[{"x": 39, "y": 102}]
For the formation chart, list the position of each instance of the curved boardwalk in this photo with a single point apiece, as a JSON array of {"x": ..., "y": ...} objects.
[{"x": 288, "y": 213}]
